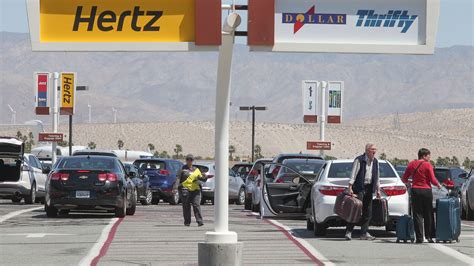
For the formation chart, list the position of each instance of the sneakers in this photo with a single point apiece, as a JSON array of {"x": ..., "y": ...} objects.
[
  {"x": 348, "y": 236},
  {"x": 200, "y": 224},
  {"x": 367, "y": 236}
]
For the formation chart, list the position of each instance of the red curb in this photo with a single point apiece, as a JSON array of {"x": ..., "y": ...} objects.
[{"x": 105, "y": 247}]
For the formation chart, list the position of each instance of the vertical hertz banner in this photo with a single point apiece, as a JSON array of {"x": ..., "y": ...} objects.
[
  {"x": 335, "y": 89},
  {"x": 68, "y": 93},
  {"x": 41, "y": 91},
  {"x": 310, "y": 101}
]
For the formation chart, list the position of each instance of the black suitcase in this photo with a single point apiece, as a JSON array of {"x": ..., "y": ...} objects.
[{"x": 379, "y": 212}]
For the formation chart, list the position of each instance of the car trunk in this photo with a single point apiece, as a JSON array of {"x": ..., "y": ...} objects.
[
  {"x": 85, "y": 180},
  {"x": 11, "y": 154}
]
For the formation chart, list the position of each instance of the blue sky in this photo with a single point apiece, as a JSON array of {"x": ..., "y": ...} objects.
[{"x": 456, "y": 24}]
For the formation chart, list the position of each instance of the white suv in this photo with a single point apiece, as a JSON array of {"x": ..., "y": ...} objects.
[
  {"x": 21, "y": 175},
  {"x": 334, "y": 179}
]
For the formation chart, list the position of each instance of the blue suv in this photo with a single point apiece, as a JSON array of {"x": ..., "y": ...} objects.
[{"x": 162, "y": 176}]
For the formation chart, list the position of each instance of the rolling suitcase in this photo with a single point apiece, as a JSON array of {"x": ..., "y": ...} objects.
[
  {"x": 379, "y": 212},
  {"x": 405, "y": 229},
  {"x": 348, "y": 208},
  {"x": 448, "y": 219}
]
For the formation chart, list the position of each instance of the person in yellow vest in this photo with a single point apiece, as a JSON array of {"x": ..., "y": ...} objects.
[{"x": 190, "y": 190}]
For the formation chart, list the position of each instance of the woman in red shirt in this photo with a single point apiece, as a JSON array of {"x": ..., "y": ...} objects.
[{"x": 423, "y": 176}]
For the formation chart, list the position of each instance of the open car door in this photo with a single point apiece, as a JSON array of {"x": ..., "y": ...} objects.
[{"x": 290, "y": 198}]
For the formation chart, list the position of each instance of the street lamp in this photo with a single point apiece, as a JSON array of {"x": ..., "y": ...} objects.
[
  {"x": 115, "y": 115},
  {"x": 253, "y": 109},
  {"x": 13, "y": 121}
]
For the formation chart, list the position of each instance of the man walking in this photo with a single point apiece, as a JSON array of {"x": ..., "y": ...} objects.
[
  {"x": 363, "y": 183},
  {"x": 190, "y": 190}
]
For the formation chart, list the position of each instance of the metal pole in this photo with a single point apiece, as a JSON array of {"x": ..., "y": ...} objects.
[
  {"x": 70, "y": 135},
  {"x": 55, "y": 115},
  {"x": 221, "y": 232},
  {"x": 253, "y": 133},
  {"x": 323, "y": 112},
  {"x": 90, "y": 113}
]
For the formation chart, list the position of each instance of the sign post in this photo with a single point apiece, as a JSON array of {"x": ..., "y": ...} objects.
[
  {"x": 55, "y": 115},
  {"x": 41, "y": 91}
]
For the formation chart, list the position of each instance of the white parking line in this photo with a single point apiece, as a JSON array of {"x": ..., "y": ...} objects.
[
  {"x": 453, "y": 253},
  {"x": 16, "y": 213},
  {"x": 95, "y": 250},
  {"x": 468, "y": 225},
  {"x": 305, "y": 244}
]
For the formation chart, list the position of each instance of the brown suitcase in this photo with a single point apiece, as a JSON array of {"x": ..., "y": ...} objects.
[{"x": 348, "y": 208}]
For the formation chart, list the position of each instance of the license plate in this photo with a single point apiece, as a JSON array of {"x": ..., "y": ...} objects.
[{"x": 83, "y": 194}]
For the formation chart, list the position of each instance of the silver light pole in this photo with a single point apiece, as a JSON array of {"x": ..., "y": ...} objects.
[
  {"x": 115, "y": 115},
  {"x": 90, "y": 112}
]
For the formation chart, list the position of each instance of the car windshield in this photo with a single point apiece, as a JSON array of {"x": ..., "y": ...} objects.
[
  {"x": 150, "y": 165},
  {"x": 304, "y": 167},
  {"x": 442, "y": 174},
  {"x": 87, "y": 163},
  {"x": 343, "y": 170}
]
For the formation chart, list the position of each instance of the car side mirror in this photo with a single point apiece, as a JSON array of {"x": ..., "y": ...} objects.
[{"x": 463, "y": 176}]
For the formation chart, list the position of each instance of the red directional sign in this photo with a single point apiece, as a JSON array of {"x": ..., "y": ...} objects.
[
  {"x": 50, "y": 137},
  {"x": 318, "y": 145}
]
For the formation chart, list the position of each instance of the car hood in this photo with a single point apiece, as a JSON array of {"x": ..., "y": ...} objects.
[{"x": 11, "y": 147}]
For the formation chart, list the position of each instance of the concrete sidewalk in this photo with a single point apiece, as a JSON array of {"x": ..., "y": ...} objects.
[{"x": 156, "y": 236}]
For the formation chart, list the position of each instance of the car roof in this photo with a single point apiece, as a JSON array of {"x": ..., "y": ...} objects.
[
  {"x": 279, "y": 156},
  {"x": 303, "y": 160},
  {"x": 156, "y": 160},
  {"x": 351, "y": 161},
  {"x": 243, "y": 164},
  {"x": 94, "y": 152}
]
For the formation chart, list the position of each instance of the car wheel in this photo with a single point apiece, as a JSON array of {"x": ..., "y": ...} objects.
[
  {"x": 309, "y": 225},
  {"x": 30, "y": 199},
  {"x": 248, "y": 203},
  {"x": 133, "y": 207},
  {"x": 174, "y": 199},
  {"x": 469, "y": 211},
  {"x": 390, "y": 227},
  {"x": 319, "y": 229},
  {"x": 212, "y": 201},
  {"x": 155, "y": 200},
  {"x": 148, "y": 199},
  {"x": 241, "y": 199},
  {"x": 51, "y": 212},
  {"x": 16, "y": 199},
  {"x": 122, "y": 210}
]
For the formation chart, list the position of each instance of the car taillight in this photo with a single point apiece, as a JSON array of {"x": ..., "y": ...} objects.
[
  {"x": 83, "y": 171},
  {"x": 164, "y": 172},
  {"x": 108, "y": 176},
  {"x": 60, "y": 176},
  {"x": 394, "y": 190},
  {"x": 331, "y": 190}
]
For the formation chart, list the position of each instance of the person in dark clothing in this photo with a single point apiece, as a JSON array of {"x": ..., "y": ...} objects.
[
  {"x": 363, "y": 183},
  {"x": 190, "y": 194},
  {"x": 423, "y": 176}
]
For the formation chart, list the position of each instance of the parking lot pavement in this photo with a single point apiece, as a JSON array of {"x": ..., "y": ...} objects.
[{"x": 155, "y": 235}]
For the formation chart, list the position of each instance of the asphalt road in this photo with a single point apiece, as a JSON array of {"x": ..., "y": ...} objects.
[{"x": 155, "y": 235}]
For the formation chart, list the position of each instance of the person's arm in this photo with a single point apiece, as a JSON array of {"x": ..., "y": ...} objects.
[
  {"x": 355, "y": 170},
  {"x": 432, "y": 176}
]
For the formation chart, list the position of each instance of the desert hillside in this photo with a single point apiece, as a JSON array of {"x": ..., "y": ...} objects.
[{"x": 445, "y": 132}]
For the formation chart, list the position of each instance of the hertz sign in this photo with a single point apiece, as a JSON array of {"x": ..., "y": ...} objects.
[{"x": 124, "y": 24}]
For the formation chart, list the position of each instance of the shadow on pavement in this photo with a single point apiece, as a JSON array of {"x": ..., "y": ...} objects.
[{"x": 337, "y": 234}]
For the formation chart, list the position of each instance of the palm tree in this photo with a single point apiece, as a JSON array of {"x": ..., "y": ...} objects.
[
  {"x": 151, "y": 147},
  {"x": 231, "y": 152},
  {"x": 120, "y": 144},
  {"x": 91, "y": 145},
  {"x": 258, "y": 152},
  {"x": 178, "y": 150}
]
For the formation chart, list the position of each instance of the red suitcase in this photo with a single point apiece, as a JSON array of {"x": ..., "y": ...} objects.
[{"x": 348, "y": 208}]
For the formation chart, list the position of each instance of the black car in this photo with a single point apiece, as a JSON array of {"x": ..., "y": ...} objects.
[
  {"x": 278, "y": 160},
  {"x": 141, "y": 182},
  {"x": 94, "y": 152},
  {"x": 162, "y": 175},
  {"x": 89, "y": 182},
  {"x": 456, "y": 174}
]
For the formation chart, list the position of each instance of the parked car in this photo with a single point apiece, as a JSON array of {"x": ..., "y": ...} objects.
[
  {"x": 251, "y": 181},
  {"x": 21, "y": 175},
  {"x": 306, "y": 167},
  {"x": 467, "y": 197},
  {"x": 141, "y": 182},
  {"x": 162, "y": 174},
  {"x": 236, "y": 184},
  {"x": 333, "y": 179},
  {"x": 242, "y": 169},
  {"x": 456, "y": 174},
  {"x": 400, "y": 169},
  {"x": 274, "y": 168},
  {"x": 87, "y": 183}
]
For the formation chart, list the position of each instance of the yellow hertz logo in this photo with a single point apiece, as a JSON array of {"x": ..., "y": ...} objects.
[
  {"x": 117, "y": 21},
  {"x": 109, "y": 21}
]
